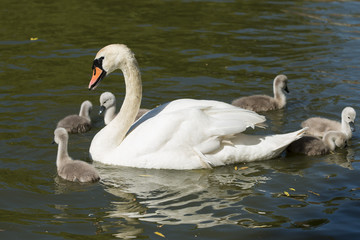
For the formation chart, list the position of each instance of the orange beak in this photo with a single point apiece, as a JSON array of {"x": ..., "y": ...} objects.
[{"x": 98, "y": 75}]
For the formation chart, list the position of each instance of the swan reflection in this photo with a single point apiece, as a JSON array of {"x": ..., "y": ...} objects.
[
  {"x": 208, "y": 197},
  {"x": 172, "y": 197}
]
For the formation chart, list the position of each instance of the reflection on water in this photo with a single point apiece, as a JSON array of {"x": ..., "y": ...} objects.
[
  {"x": 343, "y": 159},
  {"x": 208, "y": 198},
  {"x": 177, "y": 197}
]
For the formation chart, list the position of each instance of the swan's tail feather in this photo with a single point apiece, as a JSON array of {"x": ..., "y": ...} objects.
[
  {"x": 302, "y": 131},
  {"x": 288, "y": 138},
  {"x": 261, "y": 125},
  {"x": 231, "y": 121}
]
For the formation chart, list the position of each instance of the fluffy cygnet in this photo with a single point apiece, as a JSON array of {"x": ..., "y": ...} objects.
[
  {"x": 67, "y": 168},
  {"x": 313, "y": 146},
  {"x": 78, "y": 123},
  {"x": 108, "y": 107},
  {"x": 319, "y": 126},
  {"x": 262, "y": 103}
]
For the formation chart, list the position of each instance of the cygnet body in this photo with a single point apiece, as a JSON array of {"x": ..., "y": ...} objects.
[
  {"x": 313, "y": 146},
  {"x": 108, "y": 107},
  {"x": 78, "y": 123},
  {"x": 262, "y": 103},
  {"x": 318, "y": 126},
  {"x": 67, "y": 168}
]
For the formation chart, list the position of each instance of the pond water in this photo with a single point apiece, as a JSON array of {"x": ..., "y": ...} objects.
[{"x": 186, "y": 49}]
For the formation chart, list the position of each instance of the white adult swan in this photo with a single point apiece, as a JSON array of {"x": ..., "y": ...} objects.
[{"x": 182, "y": 134}]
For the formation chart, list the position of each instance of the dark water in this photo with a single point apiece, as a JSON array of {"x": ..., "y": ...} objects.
[{"x": 199, "y": 49}]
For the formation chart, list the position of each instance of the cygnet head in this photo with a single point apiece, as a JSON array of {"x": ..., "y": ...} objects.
[
  {"x": 337, "y": 137},
  {"x": 280, "y": 82},
  {"x": 348, "y": 115},
  {"x": 107, "y": 100},
  {"x": 107, "y": 60},
  {"x": 60, "y": 135},
  {"x": 341, "y": 141}
]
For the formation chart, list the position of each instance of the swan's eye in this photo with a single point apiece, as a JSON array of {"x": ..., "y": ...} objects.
[{"x": 98, "y": 63}]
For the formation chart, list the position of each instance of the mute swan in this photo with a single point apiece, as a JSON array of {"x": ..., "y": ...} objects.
[
  {"x": 182, "y": 134},
  {"x": 318, "y": 126},
  {"x": 108, "y": 105},
  {"x": 312, "y": 146},
  {"x": 262, "y": 103},
  {"x": 67, "y": 168},
  {"x": 78, "y": 123}
]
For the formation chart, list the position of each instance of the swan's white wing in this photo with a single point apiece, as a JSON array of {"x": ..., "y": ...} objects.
[
  {"x": 184, "y": 129},
  {"x": 248, "y": 148},
  {"x": 225, "y": 117},
  {"x": 229, "y": 121}
]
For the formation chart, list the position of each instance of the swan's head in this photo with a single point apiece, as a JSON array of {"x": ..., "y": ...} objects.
[
  {"x": 107, "y": 60},
  {"x": 107, "y": 99},
  {"x": 60, "y": 135},
  {"x": 337, "y": 137},
  {"x": 280, "y": 82},
  {"x": 348, "y": 115},
  {"x": 341, "y": 140}
]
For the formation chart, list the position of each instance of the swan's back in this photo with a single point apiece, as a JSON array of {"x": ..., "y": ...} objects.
[
  {"x": 263, "y": 103},
  {"x": 181, "y": 133},
  {"x": 78, "y": 171},
  {"x": 256, "y": 103},
  {"x": 77, "y": 123},
  {"x": 223, "y": 117},
  {"x": 318, "y": 126}
]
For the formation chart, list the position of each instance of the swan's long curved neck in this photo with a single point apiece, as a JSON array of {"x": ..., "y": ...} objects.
[
  {"x": 84, "y": 112},
  {"x": 329, "y": 141},
  {"x": 110, "y": 114},
  {"x": 345, "y": 127},
  {"x": 116, "y": 130},
  {"x": 62, "y": 154},
  {"x": 279, "y": 96}
]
